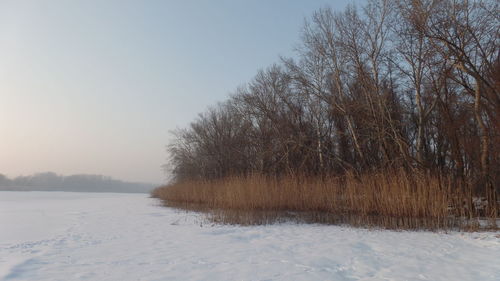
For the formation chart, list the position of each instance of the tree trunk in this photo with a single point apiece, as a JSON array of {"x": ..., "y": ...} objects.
[{"x": 483, "y": 132}]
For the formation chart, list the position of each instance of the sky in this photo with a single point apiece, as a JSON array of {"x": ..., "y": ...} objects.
[{"x": 95, "y": 86}]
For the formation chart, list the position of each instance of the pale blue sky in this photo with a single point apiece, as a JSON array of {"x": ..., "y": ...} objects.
[{"x": 95, "y": 86}]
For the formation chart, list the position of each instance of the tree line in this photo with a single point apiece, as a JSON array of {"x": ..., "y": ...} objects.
[
  {"x": 411, "y": 84},
  {"x": 50, "y": 181}
]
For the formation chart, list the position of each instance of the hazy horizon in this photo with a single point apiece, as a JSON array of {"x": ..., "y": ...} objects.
[
  {"x": 94, "y": 87},
  {"x": 52, "y": 173}
]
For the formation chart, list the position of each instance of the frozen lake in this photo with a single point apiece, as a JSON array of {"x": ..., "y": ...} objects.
[{"x": 92, "y": 236}]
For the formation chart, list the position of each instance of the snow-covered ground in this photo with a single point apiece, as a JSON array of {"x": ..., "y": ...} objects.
[{"x": 86, "y": 236}]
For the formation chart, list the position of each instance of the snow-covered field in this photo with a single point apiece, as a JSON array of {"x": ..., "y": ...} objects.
[{"x": 88, "y": 236}]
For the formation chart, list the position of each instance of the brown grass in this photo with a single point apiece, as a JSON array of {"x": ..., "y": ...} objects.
[{"x": 389, "y": 200}]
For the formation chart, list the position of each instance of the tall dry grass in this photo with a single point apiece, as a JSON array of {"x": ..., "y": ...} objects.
[{"x": 396, "y": 200}]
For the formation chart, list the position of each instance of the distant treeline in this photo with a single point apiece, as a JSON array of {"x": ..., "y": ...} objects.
[
  {"x": 81, "y": 183},
  {"x": 393, "y": 84}
]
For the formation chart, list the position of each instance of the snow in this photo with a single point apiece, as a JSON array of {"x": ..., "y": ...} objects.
[{"x": 90, "y": 236}]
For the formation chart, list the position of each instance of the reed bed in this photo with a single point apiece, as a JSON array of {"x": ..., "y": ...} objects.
[{"x": 396, "y": 200}]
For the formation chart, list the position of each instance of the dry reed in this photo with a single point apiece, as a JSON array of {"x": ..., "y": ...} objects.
[{"x": 395, "y": 200}]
